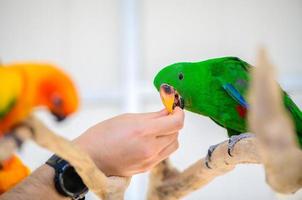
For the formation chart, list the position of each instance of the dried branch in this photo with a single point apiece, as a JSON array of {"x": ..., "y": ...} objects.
[
  {"x": 168, "y": 184},
  {"x": 8, "y": 144},
  {"x": 7, "y": 147},
  {"x": 271, "y": 122}
]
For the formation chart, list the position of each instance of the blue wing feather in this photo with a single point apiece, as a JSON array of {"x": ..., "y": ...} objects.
[{"x": 234, "y": 93}]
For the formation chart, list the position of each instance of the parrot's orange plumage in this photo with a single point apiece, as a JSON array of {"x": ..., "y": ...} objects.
[
  {"x": 12, "y": 172},
  {"x": 25, "y": 86}
]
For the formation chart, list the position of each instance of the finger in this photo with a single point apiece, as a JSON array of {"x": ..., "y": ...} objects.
[
  {"x": 166, "y": 152},
  {"x": 164, "y": 141},
  {"x": 161, "y": 142},
  {"x": 162, "y": 112},
  {"x": 161, "y": 155},
  {"x": 166, "y": 125},
  {"x": 157, "y": 114}
]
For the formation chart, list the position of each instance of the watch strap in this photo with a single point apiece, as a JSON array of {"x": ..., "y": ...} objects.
[{"x": 60, "y": 165}]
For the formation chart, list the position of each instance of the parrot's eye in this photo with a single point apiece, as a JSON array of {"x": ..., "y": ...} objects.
[
  {"x": 180, "y": 76},
  {"x": 57, "y": 101}
]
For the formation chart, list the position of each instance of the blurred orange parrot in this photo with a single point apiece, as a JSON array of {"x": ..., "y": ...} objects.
[{"x": 23, "y": 87}]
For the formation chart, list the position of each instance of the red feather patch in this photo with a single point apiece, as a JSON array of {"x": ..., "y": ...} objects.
[{"x": 241, "y": 111}]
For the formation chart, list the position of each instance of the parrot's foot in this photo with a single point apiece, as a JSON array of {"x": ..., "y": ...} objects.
[
  {"x": 232, "y": 142},
  {"x": 20, "y": 136},
  {"x": 209, "y": 154},
  {"x": 18, "y": 141},
  {"x": 236, "y": 138}
]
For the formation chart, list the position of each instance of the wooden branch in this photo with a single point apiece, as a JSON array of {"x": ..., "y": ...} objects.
[
  {"x": 268, "y": 118},
  {"x": 7, "y": 147},
  {"x": 8, "y": 144},
  {"x": 106, "y": 188},
  {"x": 163, "y": 171},
  {"x": 168, "y": 184}
]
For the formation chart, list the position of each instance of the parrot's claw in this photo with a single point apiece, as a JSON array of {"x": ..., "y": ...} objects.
[
  {"x": 19, "y": 138},
  {"x": 15, "y": 138},
  {"x": 232, "y": 142},
  {"x": 236, "y": 138},
  {"x": 209, "y": 154}
]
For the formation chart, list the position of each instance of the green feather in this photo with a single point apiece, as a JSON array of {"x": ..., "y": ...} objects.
[{"x": 8, "y": 108}]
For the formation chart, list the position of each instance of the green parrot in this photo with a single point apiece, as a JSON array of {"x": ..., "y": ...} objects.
[{"x": 216, "y": 88}]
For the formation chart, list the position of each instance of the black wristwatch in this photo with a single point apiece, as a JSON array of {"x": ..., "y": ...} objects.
[{"x": 67, "y": 182}]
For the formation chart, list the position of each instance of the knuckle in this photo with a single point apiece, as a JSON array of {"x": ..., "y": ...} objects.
[
  {"x": 137, "y": 131},
  {"x": 179, "y": 123},
  {"x": 145, "y": 132}
]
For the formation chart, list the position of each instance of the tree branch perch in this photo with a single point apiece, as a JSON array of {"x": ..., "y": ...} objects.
[
  {"x": 166, "y": 184},
  {"x": 268, "y": 118}
]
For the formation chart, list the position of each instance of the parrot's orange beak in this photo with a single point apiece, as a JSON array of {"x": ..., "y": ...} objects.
[
  {"x": 58, "y": 117},
  {"x": 170, "y": 97}
]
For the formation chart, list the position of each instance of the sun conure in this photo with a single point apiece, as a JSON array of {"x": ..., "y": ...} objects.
[
  {"x": 216, "y": 88},
  {"x": 23, "y": 87}
]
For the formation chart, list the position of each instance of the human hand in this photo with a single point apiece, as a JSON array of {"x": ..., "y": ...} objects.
[{"x": 132, "y": 143}]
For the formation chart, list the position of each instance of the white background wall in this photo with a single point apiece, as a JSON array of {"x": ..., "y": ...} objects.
[{"x": 99, "y": 41}]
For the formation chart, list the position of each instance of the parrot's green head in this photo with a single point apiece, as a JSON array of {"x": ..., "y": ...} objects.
[{"x": 173, "y": 85}]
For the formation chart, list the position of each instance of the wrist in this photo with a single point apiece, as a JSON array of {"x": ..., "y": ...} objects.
[
  {"x": 66, "y": 180},
  {"x": 43, "y": 177},
  {"x": 84, "y": 144}
]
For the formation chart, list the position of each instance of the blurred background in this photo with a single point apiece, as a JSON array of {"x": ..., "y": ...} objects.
[{"x": 114, "y": 48}]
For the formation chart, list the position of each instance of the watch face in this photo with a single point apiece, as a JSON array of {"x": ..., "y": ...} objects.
[{"x": 72, "y": 182}]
